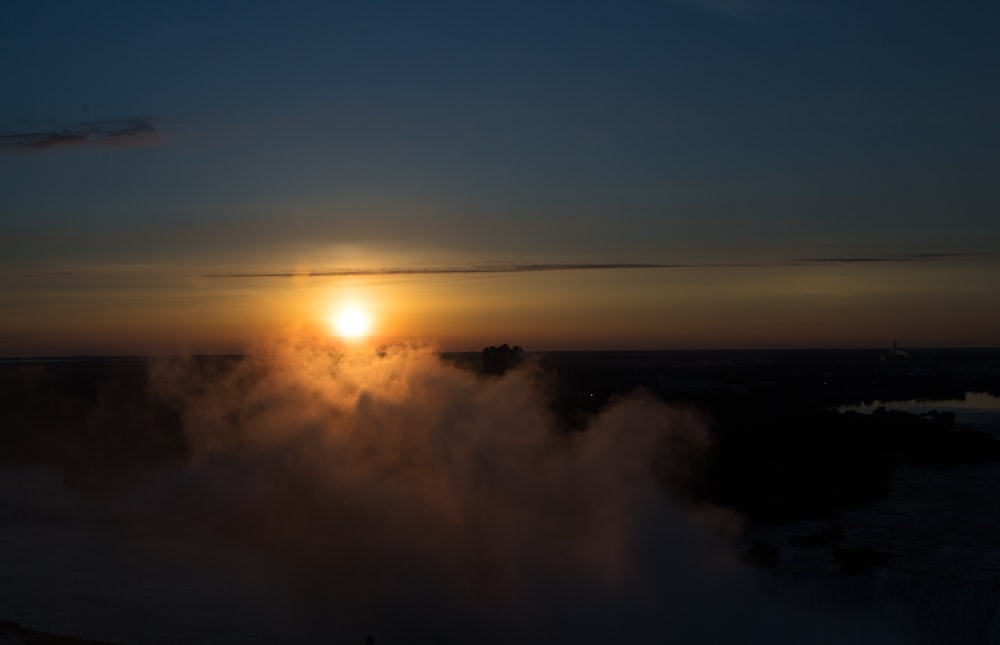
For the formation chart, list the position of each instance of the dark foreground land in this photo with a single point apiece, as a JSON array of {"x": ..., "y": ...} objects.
[
  {"x": 780, "y": 452},
  {"x": 781, "y": 449}
]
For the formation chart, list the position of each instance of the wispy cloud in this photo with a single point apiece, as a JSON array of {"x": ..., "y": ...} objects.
[
  {"x": 495, "y": 268},
  {"x": 907, "y": 257},
  {"x": 532, "y": 268},
  {"x": 123, "y": 132},
  {"x": 471, "y": 269}
]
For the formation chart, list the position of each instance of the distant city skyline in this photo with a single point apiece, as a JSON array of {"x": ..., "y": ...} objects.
[{"x": 682, "y": 174}]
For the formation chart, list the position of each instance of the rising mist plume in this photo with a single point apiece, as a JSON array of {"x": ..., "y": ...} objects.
[{"x": 422, "y": 502}]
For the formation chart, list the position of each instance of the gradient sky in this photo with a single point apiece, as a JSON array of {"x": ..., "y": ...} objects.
[{"x": 192, "y": 175}]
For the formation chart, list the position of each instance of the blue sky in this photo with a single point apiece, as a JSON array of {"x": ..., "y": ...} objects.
[{"x": 261, "y": 136}]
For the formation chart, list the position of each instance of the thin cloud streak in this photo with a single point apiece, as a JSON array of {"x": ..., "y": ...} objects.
[
  {"x": 124, "y": 132},
  {"x": 908, "y": 257},
  {"x": 504, "y": 268},
  {"x": 533, "y": 268},
  {"x": 476, "y": 269}
]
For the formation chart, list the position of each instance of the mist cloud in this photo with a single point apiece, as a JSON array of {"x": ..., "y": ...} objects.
[{"x": 425, "y": 503}]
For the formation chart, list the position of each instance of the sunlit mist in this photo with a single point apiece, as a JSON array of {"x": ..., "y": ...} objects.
[{"x": 308, "y": 492}]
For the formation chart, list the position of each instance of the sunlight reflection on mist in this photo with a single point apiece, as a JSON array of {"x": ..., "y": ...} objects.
[
  {"x": 316, "y": 491},
  {"x": 432, "y": 504}
]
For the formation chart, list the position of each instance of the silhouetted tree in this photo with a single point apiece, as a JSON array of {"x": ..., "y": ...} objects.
[{"x": 497, "y": 360}]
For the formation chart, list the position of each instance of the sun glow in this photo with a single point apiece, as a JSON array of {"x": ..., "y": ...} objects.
[{"x": 351, "y": 323}]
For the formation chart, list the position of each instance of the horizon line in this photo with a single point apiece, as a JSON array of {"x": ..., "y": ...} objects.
[{"x": 379, "y": 348}]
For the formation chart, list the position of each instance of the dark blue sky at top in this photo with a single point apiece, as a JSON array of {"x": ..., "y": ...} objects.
[{"x": 592, "y": 130}]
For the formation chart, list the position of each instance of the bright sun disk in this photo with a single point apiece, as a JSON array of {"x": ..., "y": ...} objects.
[{"x": 352, "y": 323}]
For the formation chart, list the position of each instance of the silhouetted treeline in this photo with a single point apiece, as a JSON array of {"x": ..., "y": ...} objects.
[{"x": 497, "y": 360}]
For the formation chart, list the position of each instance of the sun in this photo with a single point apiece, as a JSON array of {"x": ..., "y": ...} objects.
[{"x": 351, "y": 323}]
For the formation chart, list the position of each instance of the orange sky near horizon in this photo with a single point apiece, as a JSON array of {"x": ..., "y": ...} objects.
[
  {"x": 953, "y": 303},
  {"x": 814, "y": 174}
]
